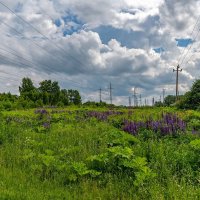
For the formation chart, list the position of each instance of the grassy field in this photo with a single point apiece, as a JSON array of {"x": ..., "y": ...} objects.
[{"x": 96, "y": 153}]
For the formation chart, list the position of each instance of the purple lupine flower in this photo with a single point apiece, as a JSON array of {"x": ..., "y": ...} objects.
[
  {"x": 41, "y": 111},
  {"x": 46, "y": 125},
  {"x": 102, "y": 115},
  {"x": 168, "y": 125}
]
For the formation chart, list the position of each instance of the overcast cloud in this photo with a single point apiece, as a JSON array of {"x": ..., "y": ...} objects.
[{"x": 85, "y": 45}]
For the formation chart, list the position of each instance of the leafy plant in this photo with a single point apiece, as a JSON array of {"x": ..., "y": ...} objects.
[
  {"x": 119, "y": 156},
  {"x": 195, "y": 144},
  {"x": 119, "y": 138},
  {"x": 194, "y": 124}
]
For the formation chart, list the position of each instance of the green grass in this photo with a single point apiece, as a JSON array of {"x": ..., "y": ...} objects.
[{"x": 55, "y": 163}]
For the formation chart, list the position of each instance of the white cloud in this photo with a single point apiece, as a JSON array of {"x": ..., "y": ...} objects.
[{"x": 82, "y": 56}]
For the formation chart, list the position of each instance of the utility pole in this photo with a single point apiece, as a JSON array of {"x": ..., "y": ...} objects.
[
  {"x": 100, "y": 90},
  {"x": 177, "y": 70},
  {"x": 153, "y": 101},
  {"x": 135, "y": 97},
  {"x": 140, "y": 100},
  {"x": 164, "y": 95},
  {"x": 129, "y": 99},
  {"x": 110, "y": 88}
]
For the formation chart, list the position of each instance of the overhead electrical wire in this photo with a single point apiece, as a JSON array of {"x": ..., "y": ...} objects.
[
  {"x": 52, "y": 56},
  {"x": 54, "y": 44},
  {"x": 38, "y": 32},
  {"x": 45, "y": 13},
  {"x": 29, "y": 39},
  {"x": 183, "y": 56},
  {"x": 32, "y": 63},
  {"x": 80, "y": 85},
  {"x": 190, "y": 47}
]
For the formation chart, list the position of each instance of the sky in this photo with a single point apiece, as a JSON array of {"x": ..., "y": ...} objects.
[{"x": 86, "y": 45}]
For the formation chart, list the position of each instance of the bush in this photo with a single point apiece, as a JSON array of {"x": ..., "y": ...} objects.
[
  {"x": 191, "y": 99},
  {"x": 7, "y": 105}
]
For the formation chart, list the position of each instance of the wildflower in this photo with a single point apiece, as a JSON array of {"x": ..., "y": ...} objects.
[
  {"x": 46, "y": 125},
  {"x": 169, "y": 124}
]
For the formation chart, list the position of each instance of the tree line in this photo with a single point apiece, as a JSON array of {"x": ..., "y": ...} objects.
[
  {"x": 48, "y": 93},
  {"x": 190, "y": 100}
]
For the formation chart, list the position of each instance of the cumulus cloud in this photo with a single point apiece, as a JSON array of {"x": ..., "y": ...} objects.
[
  {"x": 86, "y": 45},
  {"x": 180, "y": 16}
]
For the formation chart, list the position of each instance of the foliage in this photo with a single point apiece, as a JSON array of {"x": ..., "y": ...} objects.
[
  {"x": 191, "y": 99},
  {"x": 119, "y": 156},
  {"x": 95, "y": 104},
  {"x": 158, "y": 104},
  {"x": 169, "y": 124},
  {"x": 83, "y": 153},
  {"x": 26, "y": 87},
  {"x": 169, "y": 100},
  {"x": 48, "y": 94}
]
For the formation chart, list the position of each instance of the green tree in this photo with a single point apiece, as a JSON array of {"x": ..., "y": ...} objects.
[
  {"x": 192, "y": 98},
  {"x": 55, "y": 93},
  {"x": 50, "y": 92},
  {"x": 170, "y": 99},
  {"x": 45, "y": 86},
  {"x": 27, "y": 89},
  {"x": 64, "y": 98},
  {"x": 158, "y": 104},
  {"x": 26, "y": 86},
  {"x": 74, "y": 97},
  {"x": 194, "y": 95}
]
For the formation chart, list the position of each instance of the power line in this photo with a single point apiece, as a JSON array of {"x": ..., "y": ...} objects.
[
  {"x": 22, "y": 77},
  {"x": 8, "y": 79},
  {"x": 45, "y": 13},
  {"x": 110, "y": 89},
  {"x": 28, "y": 61},
  {"x": 153, "y": 101},
  {"x": 11, "y": 61},
  {"x": 100, "y": 90},
  {"x": 25, "y": 37},
  {"x": 50, "y": 41},
  {"x": 129, "y": 100},
  {"x": 140, "y": 100},
  {"x": 20, "y": 63},
  {"x": 135, "y": 97},
  {"x": 177, "y": 70},
  {"x": 34, "y": 63},
  {"x": 182, "y": 53},
  {"x": 190, "y": 47},
  {"x": 190, "y": 58},
  {"x": 38, "y": 31},
  {"x": 18, "y": 56},
  {"x": 183, "y": 56},
  {"x": 35, "y": 43},
  {"x": 164, "y": 94}
]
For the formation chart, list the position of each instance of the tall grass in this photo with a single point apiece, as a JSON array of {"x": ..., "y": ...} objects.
[{"x": 54, "y": 162}]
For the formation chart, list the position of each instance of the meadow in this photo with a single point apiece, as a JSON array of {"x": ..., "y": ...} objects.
[{"x": 99, "y": 153}]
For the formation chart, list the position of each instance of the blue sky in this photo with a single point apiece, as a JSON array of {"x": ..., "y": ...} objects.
[
  {"x": 129, "y": 43},
  {"x": 184, "y": 42}
]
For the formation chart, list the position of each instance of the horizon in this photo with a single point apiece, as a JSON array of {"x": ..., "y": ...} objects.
[{"x": 88, "y": 45}]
